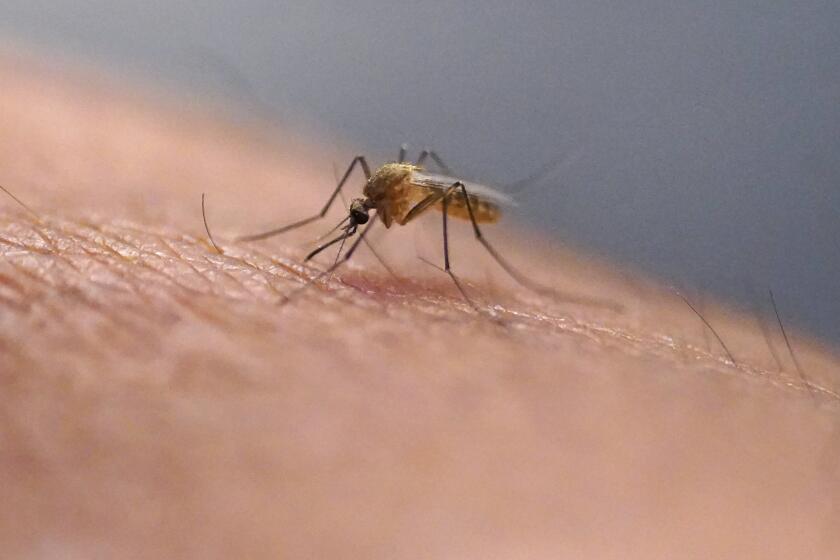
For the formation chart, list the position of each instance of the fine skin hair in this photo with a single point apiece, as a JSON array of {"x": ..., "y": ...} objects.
[{"x": 160, "y": 398}]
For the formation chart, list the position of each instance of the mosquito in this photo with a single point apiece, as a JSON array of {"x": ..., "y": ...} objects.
[{"x": 398, "y": 193}]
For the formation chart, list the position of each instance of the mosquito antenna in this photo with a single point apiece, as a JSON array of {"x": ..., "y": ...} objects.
[
  {"x": 19, "y": 201},
  {"x": 207, "y": 228},
  {"x": 789, "y": 346},
  {"x": 709, "y": 325}
]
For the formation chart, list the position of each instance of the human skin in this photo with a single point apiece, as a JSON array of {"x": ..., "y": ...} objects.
[{"x": 158, "y": 399}]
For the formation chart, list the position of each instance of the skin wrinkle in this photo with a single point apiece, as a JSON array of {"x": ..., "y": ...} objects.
[{"x": 162, "y": 403}]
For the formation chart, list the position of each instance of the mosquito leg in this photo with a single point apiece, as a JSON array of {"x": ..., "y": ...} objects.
[
  {"x": 515, "y": 274},
  {"x": 423, "y": 205},
  {"x": 360, "y": 160},
  {"x": 380, "y": 259},
  {"x": 436, "y": 158},
  {"x": 446, "y": 267},
  {"x": 403, "y": 151}
]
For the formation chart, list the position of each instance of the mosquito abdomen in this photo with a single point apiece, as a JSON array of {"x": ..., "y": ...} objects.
[{"x": 485, "y": 212}]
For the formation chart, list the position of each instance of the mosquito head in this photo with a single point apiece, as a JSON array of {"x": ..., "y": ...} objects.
[
  {"x": 359, "y": 211},
  {"x": 359, "y": 214}
]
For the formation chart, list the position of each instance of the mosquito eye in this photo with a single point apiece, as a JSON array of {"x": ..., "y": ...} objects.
[{"x": 359, "y": 216}]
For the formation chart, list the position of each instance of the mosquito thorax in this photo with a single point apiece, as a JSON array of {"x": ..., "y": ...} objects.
[
  {"x": 386, "y": 189},
  {"x": 385, "y": 179}
]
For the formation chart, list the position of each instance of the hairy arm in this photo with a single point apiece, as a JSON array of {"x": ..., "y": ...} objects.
[{"x": 158, "y": 399}]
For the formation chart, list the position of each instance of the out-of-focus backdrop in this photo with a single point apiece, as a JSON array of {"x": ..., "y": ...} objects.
[{"x": 697, "y": 140}]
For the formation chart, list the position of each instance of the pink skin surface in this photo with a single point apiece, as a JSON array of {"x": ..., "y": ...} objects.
[{"x": 158, "y": 399}]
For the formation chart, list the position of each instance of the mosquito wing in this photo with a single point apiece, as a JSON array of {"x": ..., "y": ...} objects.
[{"x": 442, "y": 182}]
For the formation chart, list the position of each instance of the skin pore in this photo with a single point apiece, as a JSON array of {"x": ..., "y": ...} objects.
[{"x": 157, "y": 400}]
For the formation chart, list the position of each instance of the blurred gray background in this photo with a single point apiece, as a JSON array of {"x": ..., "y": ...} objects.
[{"x": 699, "y": 138}]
